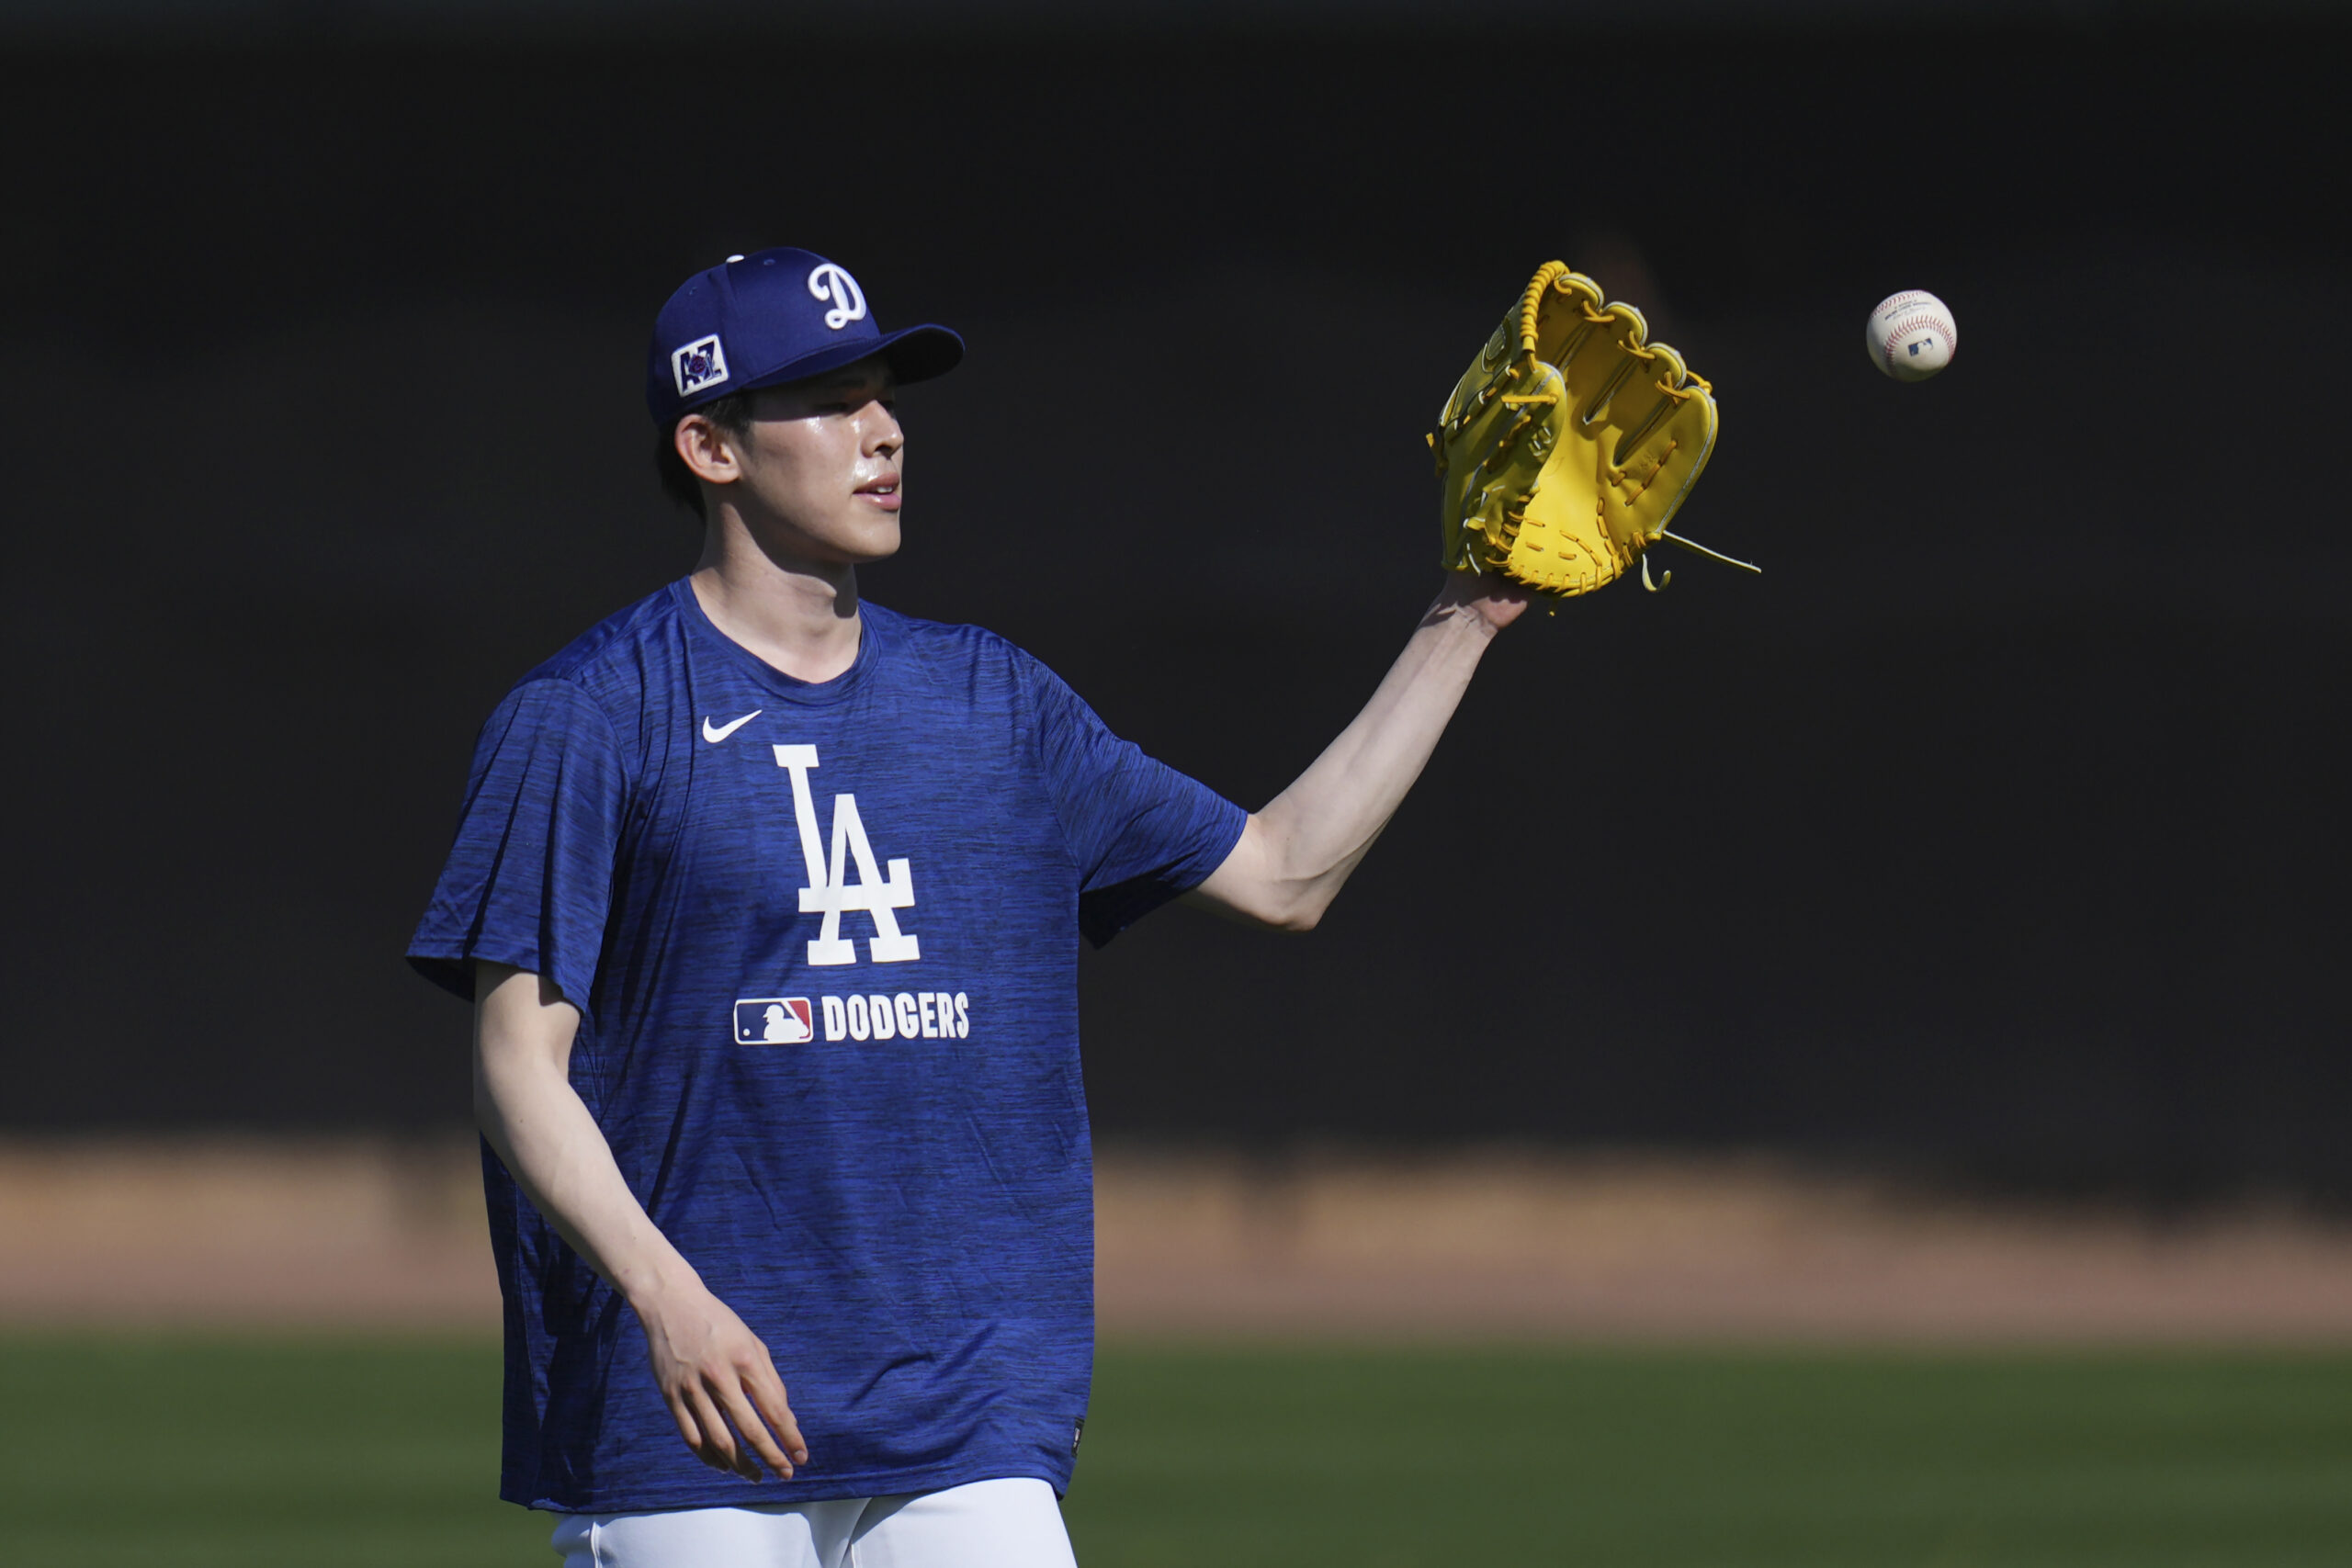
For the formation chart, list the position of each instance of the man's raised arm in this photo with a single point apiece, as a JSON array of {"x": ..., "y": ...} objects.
[{"x": 1297, "y": 852}]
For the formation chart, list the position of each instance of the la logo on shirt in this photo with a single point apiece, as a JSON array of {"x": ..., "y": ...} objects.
[{"x": 829, "y": 893}]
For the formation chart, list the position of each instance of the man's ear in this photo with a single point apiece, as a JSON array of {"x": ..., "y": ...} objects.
[{"x": 706, "y": 449}]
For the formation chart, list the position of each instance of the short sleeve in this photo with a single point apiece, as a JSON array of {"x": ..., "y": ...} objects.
[
  {"x": 1139, "y": 832},
  {"x": 529, "y": 879}
]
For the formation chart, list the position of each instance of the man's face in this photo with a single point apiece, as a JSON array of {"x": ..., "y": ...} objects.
[{"x": 818, "y": 472}]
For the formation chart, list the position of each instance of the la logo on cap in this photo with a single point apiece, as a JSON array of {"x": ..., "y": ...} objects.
[{"x": 699, "y": 364}]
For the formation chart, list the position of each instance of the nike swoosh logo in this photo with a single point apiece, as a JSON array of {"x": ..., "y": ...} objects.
[{"x": 714, "y": 733}]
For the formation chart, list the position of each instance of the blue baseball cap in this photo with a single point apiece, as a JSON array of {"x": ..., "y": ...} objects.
[{"x": 776, "y": 316}]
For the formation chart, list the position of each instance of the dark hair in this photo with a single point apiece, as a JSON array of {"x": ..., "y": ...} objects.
[{"x": 732, "y": 413}]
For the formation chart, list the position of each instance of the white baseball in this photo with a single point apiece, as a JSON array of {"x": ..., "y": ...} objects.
[{"x": 1911, "y": 335}]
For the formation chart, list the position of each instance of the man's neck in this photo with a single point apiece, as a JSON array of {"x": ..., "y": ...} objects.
[{"x": 798, "y": 616}]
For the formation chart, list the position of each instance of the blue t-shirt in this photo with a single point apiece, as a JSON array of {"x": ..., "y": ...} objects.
[{"x": 824, "y": 943}]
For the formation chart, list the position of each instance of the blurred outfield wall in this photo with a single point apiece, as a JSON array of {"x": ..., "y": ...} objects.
[{"x": 1495, "y": 1243}]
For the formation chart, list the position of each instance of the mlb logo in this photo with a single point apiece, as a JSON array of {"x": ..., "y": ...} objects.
[
  {"x": 698, "y": 364},
  {"x": 773, "y": 1020}
]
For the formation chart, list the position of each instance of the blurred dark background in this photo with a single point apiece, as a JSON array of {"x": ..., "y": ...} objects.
[{"x": 1996, "y": 832}]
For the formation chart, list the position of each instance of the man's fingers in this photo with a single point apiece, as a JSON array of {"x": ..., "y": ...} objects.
[
  {"x": 685, "y": 1417},
  {"x": 692, "y": 1426},
  {"x": 766, "y": 1390},
  {"x": 747, "y": 1421},
  {"x": 718, "y": 1446}
]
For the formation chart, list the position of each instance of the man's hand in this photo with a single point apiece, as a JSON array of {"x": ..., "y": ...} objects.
[
  {"x": 1489, "y": 596},
  {"x": 720, "y": 1382}
]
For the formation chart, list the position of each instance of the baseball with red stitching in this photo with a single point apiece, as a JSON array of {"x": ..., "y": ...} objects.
[{"x": 1911, "y": 337}]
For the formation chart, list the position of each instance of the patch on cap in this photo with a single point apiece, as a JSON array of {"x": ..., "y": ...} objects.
[{"x": 698, "y": 364}]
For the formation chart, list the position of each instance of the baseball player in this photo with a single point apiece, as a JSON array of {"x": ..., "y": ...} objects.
[{"x": 768, "y": 902}]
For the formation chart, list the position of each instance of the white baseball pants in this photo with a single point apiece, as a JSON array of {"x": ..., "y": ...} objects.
[{"x": 988, "y": 1524}]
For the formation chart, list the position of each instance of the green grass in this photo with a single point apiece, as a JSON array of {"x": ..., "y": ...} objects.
[
  {"x": 319, "y": 1452},
  {"x": 255, "y": 1453},
  {"x": 1683, "y": 1458}
]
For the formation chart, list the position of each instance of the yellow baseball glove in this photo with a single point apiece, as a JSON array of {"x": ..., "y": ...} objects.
[{"x": 1570, "y": 443}]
